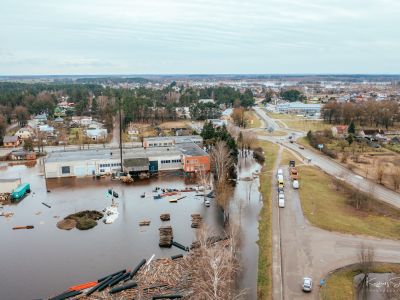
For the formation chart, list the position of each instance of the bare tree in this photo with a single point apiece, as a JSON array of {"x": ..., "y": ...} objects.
[
  {"x": 379, "y": 173},
  {"x": 215, "y": 266},
  {"x": 395, "y": 176},
  {"x": 366, "y": 258},
  {"x": 221, "y": 160}
]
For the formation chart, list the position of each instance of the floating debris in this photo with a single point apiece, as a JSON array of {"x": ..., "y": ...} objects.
[
  {"x": 6, "y": 214},
  {"x": 165, "y": 217},
  {"x": 144, "y": 223},
  {"x": 45, "y": 204},
  {"x": 24, "y": 227}
]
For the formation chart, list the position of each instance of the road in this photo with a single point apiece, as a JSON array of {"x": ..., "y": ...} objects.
[
  {"x": 300, "y": 249},
  {"x": 309, "y": 251},
  {"x": 332, "y": 167}
]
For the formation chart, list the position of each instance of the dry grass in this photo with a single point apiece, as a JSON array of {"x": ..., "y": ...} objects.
[
  {"x": 264, "y": 287},
  {"x": 306, "y": 125},
  {"x": 328, "y": 208},
  {"x": 253, "y": 121},
  {"x": 340, "y": 285},
  {"x": 173, "y": 124}
]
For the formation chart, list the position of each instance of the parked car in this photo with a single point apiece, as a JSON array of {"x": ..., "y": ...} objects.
[
  {"x": 301, "y": 147},
  {"x": 281, "y": 200},
  {"x": 295, "y": 184},
  {"x": 280, "y": 172},
  {"x": 207, "y": 203},
  {"x": 307, "y": 284}
]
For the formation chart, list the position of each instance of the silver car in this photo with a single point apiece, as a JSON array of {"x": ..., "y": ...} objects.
[{"x": 307, "y": 284}]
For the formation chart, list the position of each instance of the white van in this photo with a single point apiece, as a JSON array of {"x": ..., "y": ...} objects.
[
  {"x": 281, "y": 200},
  {"x": 295, "y": 184}
]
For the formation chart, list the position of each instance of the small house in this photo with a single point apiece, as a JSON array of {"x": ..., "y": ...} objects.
[
  {"x": 339, "y": 131},
  {"x": 24, "y": 133},
  {"x": 11, "y": 141},
  {"x": 22, "y": 155}
]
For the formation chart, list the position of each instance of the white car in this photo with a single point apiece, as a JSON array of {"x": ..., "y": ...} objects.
[
  {"x": 307, "y": 284},
  {"x": 295, "y": 184},
  {"x": 279, "y": 173},
  {"x": 281, "y": 200}
]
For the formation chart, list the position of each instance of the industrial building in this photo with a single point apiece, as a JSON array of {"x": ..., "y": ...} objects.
[
  {"x": 299, "y": 108},
  {"x": 167, "y": 141},
  {"x": 188, "y": 157}
]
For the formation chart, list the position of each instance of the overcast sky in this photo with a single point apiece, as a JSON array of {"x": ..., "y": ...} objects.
[{"x": 193, "y": 36}]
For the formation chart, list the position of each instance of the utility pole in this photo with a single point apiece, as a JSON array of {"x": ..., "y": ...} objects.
[{"x": 120, "y": 132}]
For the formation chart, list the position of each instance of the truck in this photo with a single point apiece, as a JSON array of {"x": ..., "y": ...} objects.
[
  {"x": 294, "y": 175},
  {"x": 20, "y": 191}
]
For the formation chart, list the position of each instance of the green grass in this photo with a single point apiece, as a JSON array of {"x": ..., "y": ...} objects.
[
  {"x": 327, "y": 208},
  {"x": 264, "y": 287},
  {"x": 288, "y": 156},
  {"x": 339, "y": 285}
]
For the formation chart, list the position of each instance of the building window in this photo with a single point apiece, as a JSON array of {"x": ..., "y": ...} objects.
[
  {"x": 65, "y": 170},
  {"x": 102, "y": 171}
]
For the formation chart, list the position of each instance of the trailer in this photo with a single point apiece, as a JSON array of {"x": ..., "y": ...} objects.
[{"x": 20, "y": 191}]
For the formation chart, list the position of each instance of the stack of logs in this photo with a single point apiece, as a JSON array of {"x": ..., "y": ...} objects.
[
  {"x": 164, "y": 217},
  {"x": 196, "y": 220},
  {"x": 166, "y": 236}
]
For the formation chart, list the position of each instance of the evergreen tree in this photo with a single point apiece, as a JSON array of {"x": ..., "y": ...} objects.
[{"x": 352, "y": 128}]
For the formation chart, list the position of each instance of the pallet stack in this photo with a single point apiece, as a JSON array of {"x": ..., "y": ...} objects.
[{"x": 165, "y": 217}]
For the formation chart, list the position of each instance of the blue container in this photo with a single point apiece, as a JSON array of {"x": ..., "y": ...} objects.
[{"x": 20, "y": 191}]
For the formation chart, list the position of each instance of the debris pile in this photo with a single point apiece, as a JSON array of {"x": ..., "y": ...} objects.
[
  {"x": 166, "y": 236},
  {"x": 144, "y": 223},
  {"x": 5, "y": 198},
  {"x": 165, "y": 217},
  {"x": 81, "y": 220},
  {"x": 126, "y": 179},
  {"x": 197, "y": 220}
]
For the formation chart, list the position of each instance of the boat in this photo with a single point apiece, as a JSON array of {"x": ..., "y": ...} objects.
[
  {"x": 23, "y": 227},
  {"x": 174, "y": 200},
  {"x": 111, "y": 213},
  {"x": 111, "y": 218},
  {"x": 169, "y": 194}
]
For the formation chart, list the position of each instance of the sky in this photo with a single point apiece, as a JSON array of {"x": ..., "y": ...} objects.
[{"x": 56, "y": 37}]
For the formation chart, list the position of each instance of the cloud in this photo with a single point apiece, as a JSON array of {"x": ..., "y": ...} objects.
[{"x": 246, "y": 36}]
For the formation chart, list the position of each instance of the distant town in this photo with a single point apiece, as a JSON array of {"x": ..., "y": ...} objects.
[{"x": 199, "y": 186}]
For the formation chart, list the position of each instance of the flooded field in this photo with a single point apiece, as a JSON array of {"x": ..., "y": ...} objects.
[{"x": 46, "y": 260}]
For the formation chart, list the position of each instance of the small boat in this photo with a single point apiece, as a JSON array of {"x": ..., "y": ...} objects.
[
  {"x": 174, "y": 200},
  {"x": 82, "y": 286},
  {"x": 169, "y": 194},
  {"x": 111, "y": 218}
]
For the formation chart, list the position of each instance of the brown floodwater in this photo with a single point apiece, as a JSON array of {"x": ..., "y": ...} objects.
[{"x": 45, "y": 261}]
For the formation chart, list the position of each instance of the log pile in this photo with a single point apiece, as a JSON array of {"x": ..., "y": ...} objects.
[
  {"x": 197, "y": 220},
  {"x": 165, "y": 217},
  {"x": 166, "y": 236}
]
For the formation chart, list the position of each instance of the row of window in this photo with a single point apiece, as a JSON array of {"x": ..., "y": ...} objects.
[
  {"x": 110, "y": 165},
  {"x": 193, "y": 161},
  {"x": 159, "y": 144},
  {"x": 168, "y": 161}
]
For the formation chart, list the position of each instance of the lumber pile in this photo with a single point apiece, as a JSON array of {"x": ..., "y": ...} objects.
[
  {"x": 166, "y": 236},
  {"x": 5, "y": 198},
  {"x": 197, "y": 220},
  {"x": 165, "y": 217}
]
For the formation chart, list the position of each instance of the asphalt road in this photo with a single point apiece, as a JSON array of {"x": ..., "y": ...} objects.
[
  {"x": 300, "y": 249},
  {"x": 310, "y": 251}
]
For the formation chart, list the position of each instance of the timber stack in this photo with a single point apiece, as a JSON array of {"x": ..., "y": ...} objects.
[
  {"x": 166, "y": 236},
  {"x": 197, "y": 220},
  {"x": 165, "y": 217}
]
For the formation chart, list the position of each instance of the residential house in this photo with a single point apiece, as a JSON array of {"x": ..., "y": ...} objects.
[
  {"x": 11, "y": 141},
  {"x": 82, "y": 120},
  {"x": 339, "y": 131},
  {"x": 46, "y": 129},
  {"x": 41, "y": 118},
  {"x": 25, "y": 133},
  {"x": 22, "y": 155},
  {"x": 96, "y": 133}
]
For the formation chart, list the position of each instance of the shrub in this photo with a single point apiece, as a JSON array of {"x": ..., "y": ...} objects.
[{"x": 259, "y": 155}]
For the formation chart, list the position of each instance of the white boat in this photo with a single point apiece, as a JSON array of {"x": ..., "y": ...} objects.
[{"x": 111, "y": 213}]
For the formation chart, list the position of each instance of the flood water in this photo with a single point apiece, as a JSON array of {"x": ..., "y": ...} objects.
[{"x": 45, "y": 261}]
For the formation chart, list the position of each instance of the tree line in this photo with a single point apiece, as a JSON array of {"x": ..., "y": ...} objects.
[{"x": 368, "y": 113}]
